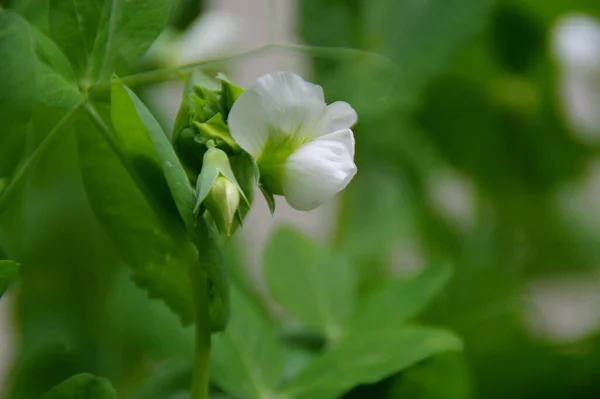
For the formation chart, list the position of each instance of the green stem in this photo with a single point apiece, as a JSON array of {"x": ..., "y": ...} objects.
[
  {"x": 200, "y": 375},
  {"x": 208, "y": 249},
  {"x": 161, "y": 75}
]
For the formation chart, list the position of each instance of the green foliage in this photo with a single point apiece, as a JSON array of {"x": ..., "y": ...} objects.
[
  {"x": 444, "y": 376},
  {"x": 74, "y": 26},
  {"x": 56, "y": 82},
  {"x": 157, "y": 147},
  {"x": 101, "y": 36},
  {"x": 82, "y": 386},
  {"x": 368, "y": 358},
  {"x": 18, "y": 74},
  {"x": 312, "y": 283},
  {"x": 158, "y": 251},
  {"x": 399, "y": 300},
  {"x": 9, "y": 270},
  {"x": 247, "y": 359},
  {"x": 17, "y": 87},
  {"x": 92, "y": 191}
]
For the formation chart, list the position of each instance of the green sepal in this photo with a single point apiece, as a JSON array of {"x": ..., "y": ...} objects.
[
  {"x": 216, "y": 129},
  {"x": 229, "y": 92},
  {"x": 269, "y": 197},
  {"x": 216, "y": 165},
  {"x": 215, "y": 162},
  {"x": 246, "y": 172}
]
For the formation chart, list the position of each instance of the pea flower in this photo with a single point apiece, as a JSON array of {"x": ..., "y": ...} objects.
[{"x": 303, "y": 147}]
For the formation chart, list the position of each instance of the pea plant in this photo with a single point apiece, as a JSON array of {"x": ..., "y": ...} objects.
[{"x": 170, "y": 201}]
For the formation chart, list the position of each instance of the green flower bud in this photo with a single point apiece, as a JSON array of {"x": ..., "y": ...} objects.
[
  {"x": 229, "y": 93},
  {"x": 202, "y": 117},
  {"x": 222, "y": 202},
  {"x": 216, "y": 129},
  {"x": 218, "y": 190}
]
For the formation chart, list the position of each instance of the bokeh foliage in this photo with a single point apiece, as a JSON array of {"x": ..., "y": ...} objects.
[{"x": 465, "y": 85}]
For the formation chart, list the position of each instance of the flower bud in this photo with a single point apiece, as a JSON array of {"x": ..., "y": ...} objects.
[
  {"x": 218, "y": 190},
  {"x": 222, "y": 202}
]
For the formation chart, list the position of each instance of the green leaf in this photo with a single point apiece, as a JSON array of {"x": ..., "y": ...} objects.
[
  {"x": 369, "y": 357},
  {"x": 17, "y": 72},
  {"x": 399, "y": 300},
  {"x": 82, "y": 386},
  {"x": 9, "y": 269},
  {"x": 157, "y": 250},
  {"x": 73, "y": 25},
  {"x": 126, "y": 29},
  {"x": 247, "y": 357},
  {"x": 17, "y": 89},
  {"x": 138, "y": 149},
  {"x": 308, "y": 281},
  {"x": 135, "y": 115},
  {"x": 54, "y": 89},
  {"x": 56, "y": 83},
  {"x": 185, "y": 200}
]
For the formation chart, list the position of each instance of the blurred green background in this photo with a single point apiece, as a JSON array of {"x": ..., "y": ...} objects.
[{"x": 477, "y": 144}]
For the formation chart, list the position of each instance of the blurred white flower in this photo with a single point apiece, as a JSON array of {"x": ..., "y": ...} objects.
[
  {"x": 576, "y": 47},
  {"x": 576, "y": 42},
  {"x": 304, "y": 148},
  {"x": 454, "y": 196},
  {"x": 562, "y": 309},
  {"x": 214, "y": 34}
]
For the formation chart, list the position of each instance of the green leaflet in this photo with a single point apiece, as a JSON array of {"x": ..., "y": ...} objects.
[
  {"x": 138, "y": 149},
  {"x": 310, "y": 282},
  {"x": 367, "y": 358},
  {"x": 9, "y": 269},
  {"x": 143, "y": 121},
  {"x": 247, "y": 357},
  {"x": 157, "y": 251},
  {"x": 17, "y": 73},
  {"x": 185, "y": 200},
  {"x": 397, "y": 301},
  {"x": 73, "y": 26},
  {"x": 56, "y": 82},
  {"x": 125, "y": 30},
  {"x": 101, "y": 36},
  {"x": 82, "y": 386}
]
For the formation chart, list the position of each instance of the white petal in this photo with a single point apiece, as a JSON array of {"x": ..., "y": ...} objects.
[
  {"x": 281, "y": 103},
  {"x": 345, "y": 137},
  {"x": 338, "y": 116},
  {"x": 316, "y": 172}
]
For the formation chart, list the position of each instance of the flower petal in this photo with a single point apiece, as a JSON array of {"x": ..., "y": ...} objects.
[
  {"x": 316, "y": 172},
  {"x": 338, "y": 116},
  {"x": 277, "y": 104},
  {"x": 345, "y": 137}
]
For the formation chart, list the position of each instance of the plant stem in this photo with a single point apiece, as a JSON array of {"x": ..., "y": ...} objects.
[{"x": 200, "y": 375}]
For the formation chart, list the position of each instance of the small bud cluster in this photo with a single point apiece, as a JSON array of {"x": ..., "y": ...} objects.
[{"x": 210, "y": 155}]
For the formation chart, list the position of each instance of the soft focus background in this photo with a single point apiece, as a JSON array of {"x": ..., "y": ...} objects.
[{"x": 477, "y": 143}]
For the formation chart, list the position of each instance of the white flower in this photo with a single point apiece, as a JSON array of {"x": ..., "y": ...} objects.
[{"x": 304, "y": 148}]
